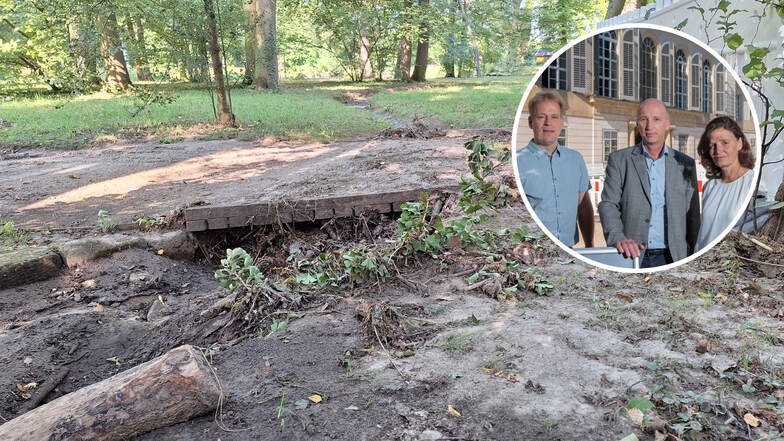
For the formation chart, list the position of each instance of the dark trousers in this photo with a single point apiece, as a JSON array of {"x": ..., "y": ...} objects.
[{"x": 656, "y": 257}]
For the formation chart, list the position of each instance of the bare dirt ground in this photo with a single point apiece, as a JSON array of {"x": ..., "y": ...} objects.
[
  {"x": 62, "y": 190},
  {"x": 703, "y": 343}
]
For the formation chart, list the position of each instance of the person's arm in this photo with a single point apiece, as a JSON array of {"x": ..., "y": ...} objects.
[
  {"x": 610, "y": 210},
  {"x": 585, "y": 218}
]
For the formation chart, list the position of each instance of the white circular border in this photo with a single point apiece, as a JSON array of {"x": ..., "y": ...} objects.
[{"x": 757, "y": 147}]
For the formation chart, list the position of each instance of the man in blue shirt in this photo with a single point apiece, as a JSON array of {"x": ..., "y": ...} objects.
[
  {"x": 650, "y": 200},
  {"x": 553, "y": 177}
]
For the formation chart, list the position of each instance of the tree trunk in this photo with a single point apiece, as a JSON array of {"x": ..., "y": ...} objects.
[
  {"x": 167, "y": 390},
  {"x": 266, "y": 69},
  {"x": 249, "y": 6},
  {"x": 420, "y": 65},
  {"x": 614, "y": 8},
  {"x": 774, "y": 226},
  {"x": 403, "y": 65},
  {"x": 365, "y": 69},
  {"x": 142, "y": 66},
  {"x": 225, "y": 116},
  {"x": 525, "y": 30},
  {"x": 477, "y": 62},
  {"x": 117, "y": 77}
]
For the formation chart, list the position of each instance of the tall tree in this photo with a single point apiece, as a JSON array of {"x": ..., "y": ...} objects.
[
  {"x": 467, "y": 21},
  {"x": 117, "y": 77},
  {"x": 524, "y": 27},
  {"x": 366, "y": 71},
  {"x": 614, "y": 7},
  {"x": 142, "y": 67},
  {"x": 420, "y": 65},
  {"x": 266, "y": 69},
  {"x": 403, "y": 64},
  {"x": 249, "y": 6},
  {"x": 225, "y": 116}
]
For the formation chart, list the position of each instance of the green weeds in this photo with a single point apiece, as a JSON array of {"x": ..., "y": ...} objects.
[
  {"x": 11, "y": 236},
  {"x": 105, "y": 222}
]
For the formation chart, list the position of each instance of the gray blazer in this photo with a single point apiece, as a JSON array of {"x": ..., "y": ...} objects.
[{"x": 625, "y": 209}]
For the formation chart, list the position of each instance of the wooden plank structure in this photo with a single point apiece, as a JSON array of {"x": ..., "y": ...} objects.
[{"x": 218, "y": 217}]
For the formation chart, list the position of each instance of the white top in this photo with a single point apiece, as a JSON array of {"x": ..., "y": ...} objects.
[{"x": 720, "y": 203}]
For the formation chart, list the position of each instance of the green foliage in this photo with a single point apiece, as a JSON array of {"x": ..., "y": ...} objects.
[
  {"x": 238, "y": 274},
  {"x": 144, "y": 99},
  {"x": 10, "y": 236},
  {"x": 105, "y": 222},
  {"x": 458, "y": 343},
  {"x": 477, "y": 192},
  {"x": 150, "y": 222}
]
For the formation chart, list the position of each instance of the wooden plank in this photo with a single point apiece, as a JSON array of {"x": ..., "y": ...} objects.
[
  {"x": 211, "y": 217},
  {"x": 218, "y": 223},
  {"x": 381, "y": 208},
  {"x": 196, "y": 225}
]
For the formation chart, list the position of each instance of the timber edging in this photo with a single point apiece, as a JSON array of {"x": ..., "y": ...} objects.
[{"x": 218, "y": 217}]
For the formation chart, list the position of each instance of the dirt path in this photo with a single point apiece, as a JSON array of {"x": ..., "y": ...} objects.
[{"x": 44, "y": 189}]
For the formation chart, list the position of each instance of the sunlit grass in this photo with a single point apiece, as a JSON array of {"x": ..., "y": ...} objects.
[
  {"x": 303, "y": 109},
  {"x": 62, "y": 122}
]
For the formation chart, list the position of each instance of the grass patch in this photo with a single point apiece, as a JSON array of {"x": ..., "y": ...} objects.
[
  {"x": 458, "y": 343},
  {"x": 10, "y": 236},
  {"x": 66, "y": 122},
  {"x": 458, "y": 104}
]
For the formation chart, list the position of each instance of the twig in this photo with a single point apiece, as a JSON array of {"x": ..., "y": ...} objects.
[
  {"x": 760, "y": 244},
  {"x": 221, "y": 397},
  {"x": 388, "y": 354},
  {"x": 479, "y": 284},
  {"x": 760, "y": 262},
  {"x": 44, "y": 391}
]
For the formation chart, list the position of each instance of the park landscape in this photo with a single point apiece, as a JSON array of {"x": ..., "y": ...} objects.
[{"x": 447, "y": 315}]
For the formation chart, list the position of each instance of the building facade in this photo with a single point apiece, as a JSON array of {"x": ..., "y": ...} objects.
[
  {"x": 754, "y": 23},
  {"x": 603, "y": 78}
]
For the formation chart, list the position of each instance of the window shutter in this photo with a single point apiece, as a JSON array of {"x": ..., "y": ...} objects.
[
  {"x": 696, "y": 82},
  {"x": 579, "y": 72},
  {"x": 627, "y": 66},
  {"x": 636, "y": 58},
  {"x": 719, "y": 82},
  {"x": 666, "y": 74}
]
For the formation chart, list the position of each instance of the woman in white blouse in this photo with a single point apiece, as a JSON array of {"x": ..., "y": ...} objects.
[{"x": 728, "y": 160}]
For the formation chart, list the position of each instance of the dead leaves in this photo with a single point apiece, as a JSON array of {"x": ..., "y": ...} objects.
[
  {"x": 703, "y": 346},
  {"x": 509, "y": 376},
  {"x": 452, "y": 411},
  {"x": 316, "y": 398},
  {"x": 26, "y": 387},
  {"x": 751, "y": 420}
]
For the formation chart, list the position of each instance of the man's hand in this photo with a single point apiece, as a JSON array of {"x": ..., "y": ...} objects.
[{"x": 629, "y": 248}]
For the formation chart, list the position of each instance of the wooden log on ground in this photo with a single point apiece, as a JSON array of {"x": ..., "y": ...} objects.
[{"x": 172, "y": 388}]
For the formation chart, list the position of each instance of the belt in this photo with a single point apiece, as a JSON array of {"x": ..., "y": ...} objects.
[{"x": 656, "y": 252}]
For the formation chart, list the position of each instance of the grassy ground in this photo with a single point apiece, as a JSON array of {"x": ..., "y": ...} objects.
[
  {"x": 458, "y": 104},
  {"x": 304, "y": 109}
]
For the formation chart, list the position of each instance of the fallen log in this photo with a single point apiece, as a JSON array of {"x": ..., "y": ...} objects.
[{"x": 172, "y": 388}]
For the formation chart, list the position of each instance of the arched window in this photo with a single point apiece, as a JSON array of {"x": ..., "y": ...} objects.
[
  {"x": 606, "y": 81},
  {"x": 681, "y": 80},
  {"x": 554, "y": 77},
  {"x": 666, "y": 74},
  {"x": 707, "y": 90},
  {"x": 720, "y": 101},
  {"x": 696, "y": 77},
  {"x": 647, "y": 69}
]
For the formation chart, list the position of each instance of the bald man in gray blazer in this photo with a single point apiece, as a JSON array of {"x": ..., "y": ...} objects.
[{"x": 650, "y": 203}]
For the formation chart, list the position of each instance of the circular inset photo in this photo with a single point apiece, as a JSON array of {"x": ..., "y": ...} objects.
[{"x": 635, "y": 148}]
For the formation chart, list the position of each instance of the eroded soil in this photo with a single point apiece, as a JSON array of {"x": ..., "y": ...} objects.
[{"x": 557, "y": 366}]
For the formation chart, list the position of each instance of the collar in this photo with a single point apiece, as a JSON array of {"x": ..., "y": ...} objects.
[
  {"x": 665, "y": 152},
  {"x": 540, "y": 151}
]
